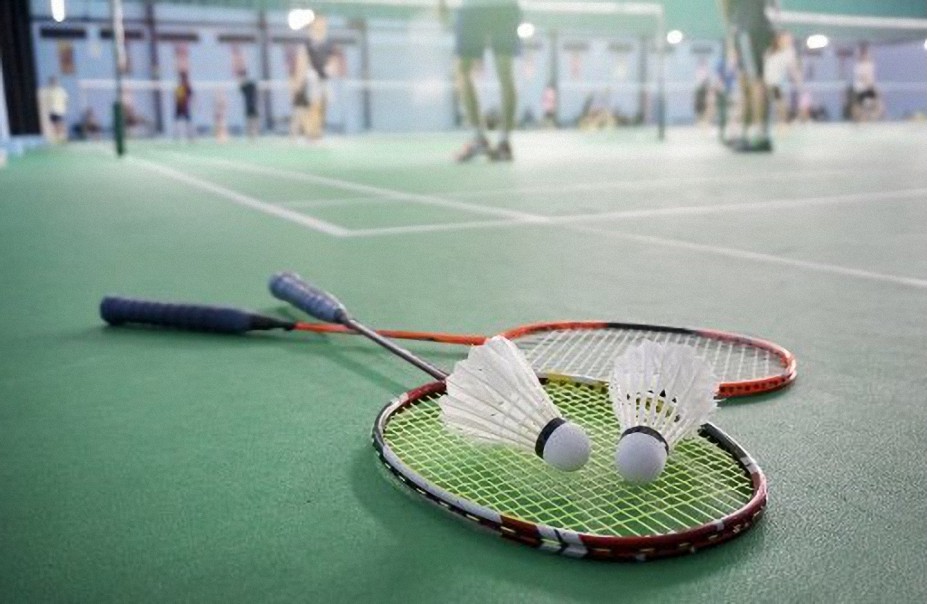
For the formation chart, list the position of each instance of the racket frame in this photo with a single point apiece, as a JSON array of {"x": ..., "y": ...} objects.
[
  {"x": 562, "y": 541},
  {"x": 725, "y": 389},
  {"x": 730, "y": 389}
]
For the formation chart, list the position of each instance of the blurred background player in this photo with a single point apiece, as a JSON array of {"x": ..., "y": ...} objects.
[
  {"x": 299, "y": 120},
  {"x": 320, "y": 50},
  {"x": 866, "y": 102},
  {"x": 705, "y": 87},
  {"x": 780, "y": 66},
  {"x": 56, "y": 103},
  {"x": 183, "y": 102},
  {"x": 482, "y": 23},
  {"x": 751, "y": 33},
  {"x": 249, "y": 94},
  {"x": 220, "y": 107}
]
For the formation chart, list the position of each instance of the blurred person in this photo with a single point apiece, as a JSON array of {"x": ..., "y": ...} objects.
[
  {"x": 321, "y": 51},
  {"x": 751, "y": 33},
  {"x": 88, "y": 127},
  {"x": 249, "y": 93},
  {"x": 299, "y": 120},
  {"x": 726, "y": 74},
  {"x": 482, "y": 23},
  {"x": 56, "y": 101},
  {"x": 183, "y": 105},
  {"x": 781, "y": 65},
  {"x": 703, "y": 103},
  {"x": 549, "y": 106},
  {"x": 867, "y": 103},
  {"x": 220, "y": 108}
]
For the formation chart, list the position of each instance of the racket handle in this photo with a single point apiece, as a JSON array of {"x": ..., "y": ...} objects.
[
  {"x": 117, "y": 311},
  {"x": 292, "y": 288}
]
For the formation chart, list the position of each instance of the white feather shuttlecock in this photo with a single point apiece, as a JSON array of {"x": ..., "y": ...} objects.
[
  {"x": 494, "y": 396},
  {"x": 661, "y": 394}
]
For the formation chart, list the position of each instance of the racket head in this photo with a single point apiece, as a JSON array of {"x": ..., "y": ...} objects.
[
  {"x": 743, "y": 365},
  {"x": 710, "y": 492}
]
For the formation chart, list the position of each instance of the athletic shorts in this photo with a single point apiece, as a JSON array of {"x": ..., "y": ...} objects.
[
  {"x": 863, "y": 95},
  {"x": 182, "y": 113},
  {"x": 56, "y": 118},
  {"x": 750, "y": 46},
  {"x": 775, "y": 92},
  {"x": 492, "y": 26}
]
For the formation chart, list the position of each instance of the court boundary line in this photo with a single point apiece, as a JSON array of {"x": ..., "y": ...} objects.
[
  {"x": 649, "y": 239},
  {"x": 568, "y": 219},
  {"x": 646, "y": 183},
  {"x": 525, "y": 217},
  {"x": 739, "y": 254},
  {"x": 242, "y": 199},
  {"x": 337, "y": 183}
]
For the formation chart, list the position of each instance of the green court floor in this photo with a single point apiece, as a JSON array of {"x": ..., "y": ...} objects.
[{"x": 145, "y": 465}]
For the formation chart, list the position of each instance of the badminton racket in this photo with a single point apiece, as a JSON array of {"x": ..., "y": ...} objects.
[
  {"x": 711, "y": 491},
  {"x": 744, "y": 365}
]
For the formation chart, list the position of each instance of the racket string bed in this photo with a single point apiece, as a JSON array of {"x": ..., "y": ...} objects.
[
  {"x": 587, "y": 352},
  {"x": 702, "y": 483}
]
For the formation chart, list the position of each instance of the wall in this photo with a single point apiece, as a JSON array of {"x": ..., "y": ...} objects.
[{"x": 401, "y": 52}]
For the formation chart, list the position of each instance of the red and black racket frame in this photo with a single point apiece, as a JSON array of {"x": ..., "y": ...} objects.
[
  {"x": 725, "y": 389},
  {"x": 570, "y": 543}
]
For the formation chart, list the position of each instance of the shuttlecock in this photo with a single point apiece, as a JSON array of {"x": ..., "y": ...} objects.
[
  {"x": 494, "y": 396},
  {"x": 661, "y": 394}
]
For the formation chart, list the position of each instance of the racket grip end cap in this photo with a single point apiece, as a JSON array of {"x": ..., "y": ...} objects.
[{"x": 290, "y": 287}]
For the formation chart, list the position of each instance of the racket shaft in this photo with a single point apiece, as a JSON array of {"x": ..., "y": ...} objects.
[
  {"x": 117, "y": 310},
  {"x": 399, "y": 334}
]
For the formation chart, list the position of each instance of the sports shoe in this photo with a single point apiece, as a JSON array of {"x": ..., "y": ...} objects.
[
  {"x": 502, "y": 152},
  {"x": 478, "y": 146},
  {"x": 760, "y": 145}
]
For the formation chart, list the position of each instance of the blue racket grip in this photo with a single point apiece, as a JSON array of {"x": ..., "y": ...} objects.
[
  {"x": 116, "y": 310},
  {"x": 291, "y": 288}
]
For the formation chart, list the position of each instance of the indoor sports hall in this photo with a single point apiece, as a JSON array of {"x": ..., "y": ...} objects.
[{"x": 700, "y": 223}]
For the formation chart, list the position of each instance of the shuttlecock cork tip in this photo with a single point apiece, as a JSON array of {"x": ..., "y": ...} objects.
[
  {"x": 641, "y": 455},
  {"x": 564, "y": 445}
]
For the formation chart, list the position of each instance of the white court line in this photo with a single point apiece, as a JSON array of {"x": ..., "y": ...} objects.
[
  {"x": 765, "y": 258},
  {"x": 415, "y": 229},
  {"x": 709, "y": 249},
  {"x": 725, "y": 208},
  {"x": 392, "y": 194},
  {"x": 646, "y": 183},
  {"x": 333, "y": 202},
  {"x": 243, "y": 200}
]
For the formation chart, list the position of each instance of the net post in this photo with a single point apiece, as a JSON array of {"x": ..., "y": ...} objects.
[
  {"x": 661, "y": 74},
  {"x": 151, "y": 25},
  {"x": 264, "y": 46},
  {"x": 119, "y": 58}
]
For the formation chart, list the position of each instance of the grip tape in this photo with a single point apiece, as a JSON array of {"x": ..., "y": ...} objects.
[
  {"x": 292, "y": 288},
  {"x": 117, "y": 310}
]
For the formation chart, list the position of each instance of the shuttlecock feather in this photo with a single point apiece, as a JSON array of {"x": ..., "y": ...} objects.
[
  {"x": 494, "y": 396},
  {"x": 661, "y": 394}
]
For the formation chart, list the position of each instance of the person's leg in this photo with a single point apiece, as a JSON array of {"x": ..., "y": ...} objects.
[
  {"x": 502, "y": 26},
  {"x": 478, "y": 145},
  {"x": 468, "y": 95},
  {"x": 506, "y": 74},
  {"x": 746, "y": 104},
  {"x": 472, "y": 26},
  {"x": 762, "y": 40},
  {"x": 761, "y": 108}
]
